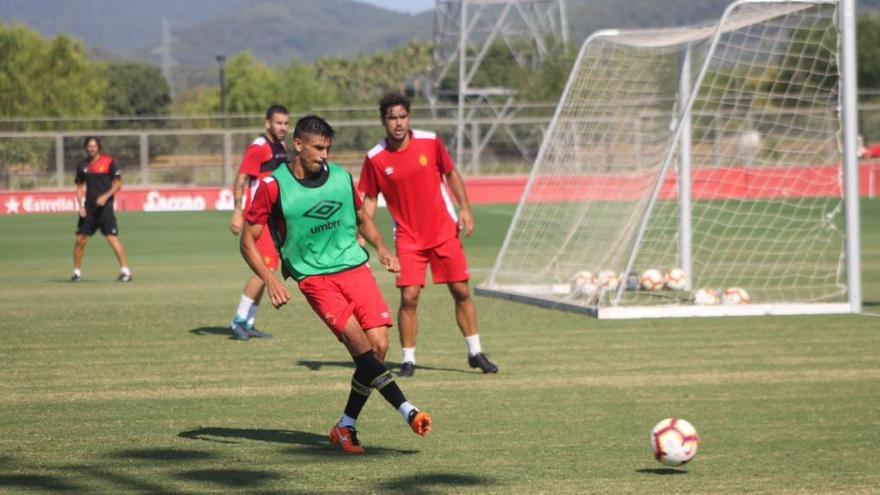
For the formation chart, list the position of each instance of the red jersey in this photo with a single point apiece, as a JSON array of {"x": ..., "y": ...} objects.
[
  {"x": 411, "y": 180},
  {"x": 261, "y": 158}
]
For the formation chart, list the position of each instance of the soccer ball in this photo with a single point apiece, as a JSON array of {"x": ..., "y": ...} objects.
[
  {"x": 584, "y": 285},
  {"x": 706, "y": 297},
  {"x": 579, "y": 279},
  {"x": 651, "y": 279},
  {"x": 735, "y": 295},
  {"x": 674, "y": 441},
  {"x": 589, "y": 290},
  {"x": 676, "y": 279},
  {"x": 608, "y": 280}
]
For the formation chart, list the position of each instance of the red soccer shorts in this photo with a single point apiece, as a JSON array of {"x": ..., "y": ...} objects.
[
  {"x": 266, "y": 246},
  {"x": 448, "y": 264},
  {"x": 336, "y": 297}
]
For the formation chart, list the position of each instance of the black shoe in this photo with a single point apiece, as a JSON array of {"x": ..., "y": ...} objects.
[
  {"x": 407, "y": 369},
  {"x": 256, "y": 334},
  {"x": 124, "y": 277},
  {"x": 239, "y": 329},
  {"x": 480, "y": 360},
  {"x": 75, "y": 278}
]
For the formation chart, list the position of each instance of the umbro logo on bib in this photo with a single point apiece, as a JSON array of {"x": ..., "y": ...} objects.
[{"x": 323, "y": 209}]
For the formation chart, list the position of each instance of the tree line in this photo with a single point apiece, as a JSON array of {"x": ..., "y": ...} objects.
[{"x": 55, "y": 77}]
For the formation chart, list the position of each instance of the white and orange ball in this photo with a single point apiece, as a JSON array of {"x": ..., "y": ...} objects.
[
  {"x": 608, "y": 280},
  {"x": 584, "y": 284},
  {"x": 651, "y": 279},
  {"x": 735, "y": 295},
  {"x": 676, "y": 279},
  {"x": 706, "y": 297},
  {"x": 579, "y": 279},
  {"x": 674, "y": 441}
]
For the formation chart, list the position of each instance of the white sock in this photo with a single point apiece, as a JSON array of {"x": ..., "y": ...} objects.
[
  {"x": 409, "y": 354},
  {"x": 405, "y": 409},
  {"x": 347, "y": 420},
  {"x": 252, "y": 313},
  {"x": 125, "y": 270},
  {"x": 77, "y": 272},
  {"x": 473, "y": 345},
  {"x": 244, "y": 307}
]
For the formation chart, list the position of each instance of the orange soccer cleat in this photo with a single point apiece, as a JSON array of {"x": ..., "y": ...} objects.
[
  {"x": 420, "y": 422},
  {"x": 345, "y": 437}
]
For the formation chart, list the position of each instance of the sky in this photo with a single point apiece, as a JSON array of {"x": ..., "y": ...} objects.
[{"x": 408, "y": 6}]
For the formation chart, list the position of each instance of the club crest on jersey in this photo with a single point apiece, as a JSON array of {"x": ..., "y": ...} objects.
[
  {"x": 389, "y": 170},
  {"x": 423, "y": 160}
]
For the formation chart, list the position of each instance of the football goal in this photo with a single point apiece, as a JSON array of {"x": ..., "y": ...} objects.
[{"x": 696, "y": 171}]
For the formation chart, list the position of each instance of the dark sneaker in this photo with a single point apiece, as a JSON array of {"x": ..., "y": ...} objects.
[
  {"x": 75, "y": 278},
  {"x": 256, "y": 334},
  {"x": 239, "y": 329},
  {"x": 345, "y": 437},
  {"x": 407, "y": 369},
  {"x": 420, "y": 422},
  {"x": 480, "y": 360},
  {"x": 124, "y": 277}
]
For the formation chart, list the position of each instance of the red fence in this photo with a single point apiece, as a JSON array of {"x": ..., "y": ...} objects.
[{"x": 726, "y": 183}]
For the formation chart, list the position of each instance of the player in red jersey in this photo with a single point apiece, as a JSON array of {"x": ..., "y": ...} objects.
[
  {"x": 97, "y": 181},
  {"x": 265, "y": 154},
  {"x": 409, "y": 167}
]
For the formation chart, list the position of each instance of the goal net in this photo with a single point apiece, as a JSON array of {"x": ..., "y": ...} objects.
[{"x": 714, "y": 150}]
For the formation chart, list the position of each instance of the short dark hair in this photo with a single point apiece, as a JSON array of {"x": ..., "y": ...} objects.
[
  {"x": 276, "y": 109},
  {"x": 392, "y": 100},
  {"x": 92, "y": 138},
  {"x": 312, "y": 124}
]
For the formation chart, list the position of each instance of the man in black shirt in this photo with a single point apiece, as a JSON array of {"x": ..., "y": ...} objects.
[{"x": 97, "y": 180}]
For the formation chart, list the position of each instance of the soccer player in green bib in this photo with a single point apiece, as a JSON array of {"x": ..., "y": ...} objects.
[{"x": 314, "y": 214}]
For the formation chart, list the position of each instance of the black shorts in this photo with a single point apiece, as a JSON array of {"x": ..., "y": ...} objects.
[{"x": 96, "y": 218}]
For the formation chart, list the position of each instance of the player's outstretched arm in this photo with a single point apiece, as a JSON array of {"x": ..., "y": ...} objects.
[
  {"x": 278, "y": 293},
  {"x": 367, "y": 228}
]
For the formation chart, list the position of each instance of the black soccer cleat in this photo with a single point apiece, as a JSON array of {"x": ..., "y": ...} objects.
[
  {"x": 253, "y": 333},
  {"x": 479, "y": 360},
  {"x": 124, "y": 277},
  {"x": 239, "y": 329},
  {"x": 407, "y": 369},
  {"x": 75, "y": 278}
]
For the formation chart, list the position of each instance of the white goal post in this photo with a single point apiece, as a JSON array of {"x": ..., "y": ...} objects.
[{"x": 726, "y": 151}]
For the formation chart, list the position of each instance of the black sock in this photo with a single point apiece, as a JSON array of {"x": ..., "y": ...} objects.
[
  {"x": 379, "y": 378},
  {"x": 358, "y": 395}
]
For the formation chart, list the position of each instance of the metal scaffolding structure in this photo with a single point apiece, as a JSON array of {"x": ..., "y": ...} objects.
[{"x": 464, "y": 32}]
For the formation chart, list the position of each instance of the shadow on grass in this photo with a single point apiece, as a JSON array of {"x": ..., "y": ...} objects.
[
  {"x": 661, "y": 471},
  {"x": 317, "y": 365},
  {"x": 160, "y": 455},
  {"x": 428, "y": 484},
  {"x": 221, "y": 331},
  {"x": 233, "y": 478},
  {"x": 124, "y": 482},
  {"x": 310, "y": 443},
  {"x": 38, "y": 482}
]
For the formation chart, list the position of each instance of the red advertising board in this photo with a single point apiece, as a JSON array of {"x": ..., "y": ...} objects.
[{"x": 718, "y": 183}]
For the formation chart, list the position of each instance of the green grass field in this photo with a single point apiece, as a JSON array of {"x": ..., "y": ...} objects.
[{"x": 111, "y": 388}]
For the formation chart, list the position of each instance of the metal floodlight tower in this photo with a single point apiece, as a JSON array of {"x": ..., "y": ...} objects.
[{"x": 464, "y": 31}]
